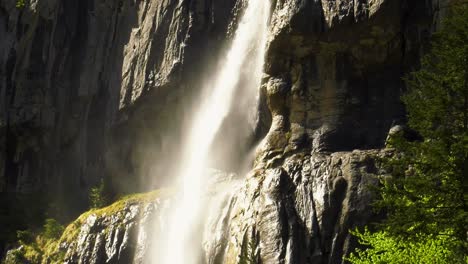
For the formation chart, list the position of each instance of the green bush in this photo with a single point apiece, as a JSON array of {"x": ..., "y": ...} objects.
[
  {"x": 34, "y": 248},
  {"x": 52, "y": 229},
  {"x": 388, "y": 249},
  {"x": 25, "y": 236},
  {"x": 425, "y": 198},
  {"x": 97, "y": 197},
  {"x": 20, "y": 3}
]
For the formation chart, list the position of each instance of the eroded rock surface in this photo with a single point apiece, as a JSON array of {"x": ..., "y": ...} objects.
[
  {"x": 301, "y": 211},
  {"x": 124, "y": 236},
  {"x": 92, "y": 88},
  {"x": 334, "y": 70},
  {"x": 298, "y": 212}
]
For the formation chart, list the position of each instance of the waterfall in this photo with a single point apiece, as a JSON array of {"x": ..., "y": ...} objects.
[{"x": 241, "y": 69}]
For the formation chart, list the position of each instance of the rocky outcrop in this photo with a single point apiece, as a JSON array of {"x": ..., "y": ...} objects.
[
  {"x": 334, "y": 70},
  {"x": 119, "y": 233},
  {"x": 88, "y": 86},
  {"x": 299, "y": 212},
  {"x": 97, "y": 88},
  {"x": 333, "y": 81},
  {"x": 91, "y": 89}
]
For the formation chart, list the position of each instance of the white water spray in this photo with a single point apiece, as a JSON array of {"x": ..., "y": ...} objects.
[{"x": 245, "y": 58}]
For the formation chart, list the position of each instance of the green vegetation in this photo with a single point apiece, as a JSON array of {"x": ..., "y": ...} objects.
[
  {"x": 20, "y": 3},
  {"x": 52, "y": 229},
  {"x": 97, "y": 197},
  {"x": 33, "y": 248},
  {"x": 386, "y": 248},
  {"x": 20, "y": 212},
  {"x": 139, "y": 198},
  {"x": 43, "y": 247},
  {"x": 425, "y": 197},
  {"x": 25, "y": 236}
]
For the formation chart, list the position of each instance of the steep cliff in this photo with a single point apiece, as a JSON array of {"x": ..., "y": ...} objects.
[
  {"x": 99, "y": 89},
  {"x": 94, "y": 89},
  {"x": 298, "y": 213}
]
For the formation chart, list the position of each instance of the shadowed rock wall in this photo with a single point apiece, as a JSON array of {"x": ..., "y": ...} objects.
[
  {"x": 93, "y": 89},
  {"x": 100, "y": 88}
]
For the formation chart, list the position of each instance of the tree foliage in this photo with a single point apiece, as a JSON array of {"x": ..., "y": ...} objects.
[
  {"x": 35, "y": 247},
  {"x": 386, "y": 248},
  {"x": 20, "y": 3},
  {"x": 97, "y": 196},
  {"x": 52, "y": 229},
  {"x": 425, "y": 197}
]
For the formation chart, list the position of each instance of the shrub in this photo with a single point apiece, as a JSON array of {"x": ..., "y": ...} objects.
[
  {"x": 52, "y": 229},
  {"x": 389, "y": 249},
  {"x": 24, "y": 236},
  {"x": 20, "y": 3},
  {"x": 97, "y": 197}
]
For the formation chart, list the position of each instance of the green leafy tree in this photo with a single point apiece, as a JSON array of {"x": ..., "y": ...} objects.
[
  {"x": 425, "y": 197},
  {"x": 97, "y": 197},
  {"x": 52, "y": 229}
]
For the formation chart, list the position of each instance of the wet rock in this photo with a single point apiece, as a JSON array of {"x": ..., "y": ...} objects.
[
  {"x": 302, "y": 210},
  {"x": 134, "y": 229},
  {"x": 120, "y": 233},
  {"x": 93, "y": 88}
]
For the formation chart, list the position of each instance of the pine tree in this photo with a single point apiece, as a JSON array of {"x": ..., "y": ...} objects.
[
  {"x": 425, "y": 197},
  {"x": 97, "y": 196}
]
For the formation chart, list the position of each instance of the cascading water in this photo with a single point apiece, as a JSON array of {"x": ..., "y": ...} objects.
[{"x": 242, "y": 67}]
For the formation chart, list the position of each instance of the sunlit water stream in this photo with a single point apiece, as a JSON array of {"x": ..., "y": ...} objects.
[{"x": 241, "y": 67}]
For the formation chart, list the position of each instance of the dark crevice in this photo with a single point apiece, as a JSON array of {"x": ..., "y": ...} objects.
[{"x": 11, "y": 167}]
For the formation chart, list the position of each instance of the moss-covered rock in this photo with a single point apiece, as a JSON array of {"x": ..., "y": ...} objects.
[{"x": 108, "y": 233}]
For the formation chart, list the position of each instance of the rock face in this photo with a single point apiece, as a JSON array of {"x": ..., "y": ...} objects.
[
  {"x": 299, "y": 212},
  {"x": 93, "y": 89},
  {"x": 90, "y": 89},
  {"x": 120, "y": 233},
  {"x": 334, "y": 70},
  {"x": 115, "y": 236}
]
